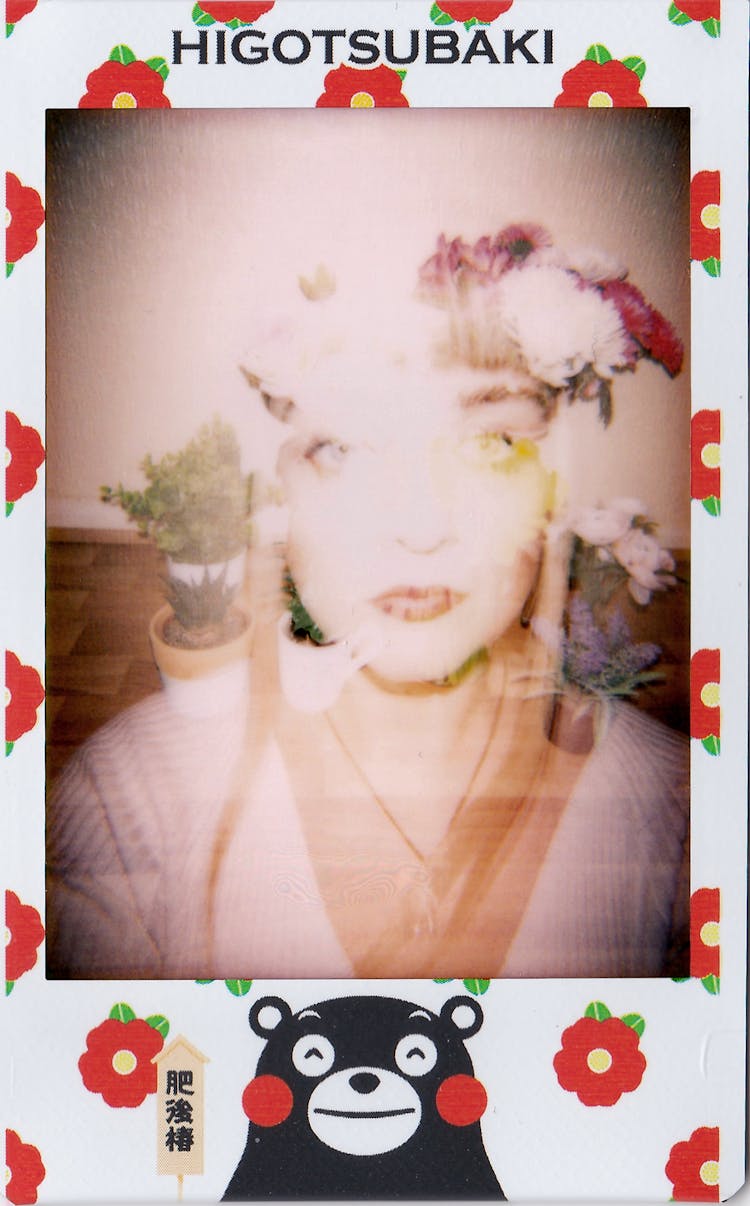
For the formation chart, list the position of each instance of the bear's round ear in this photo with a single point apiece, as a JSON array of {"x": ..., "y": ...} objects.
[
  {"x": 267, "y": 1013},
  {"x": 464, "y": 1013}
]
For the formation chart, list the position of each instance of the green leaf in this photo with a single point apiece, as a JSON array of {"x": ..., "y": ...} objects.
[
  {"x": 122, "y": 54},
  {"x": 712, "y": 27},
  {"x": 158, "y": 65},
  {"x": 712, "y": 266},
  {"x": 712, "y": 505},
  {"x": 9, "y": 984},
  {"x": 711, "y": 984},
  {"x": 598, "y": 53},
  {"x": 158, "y": 1022},
  {"x": 680, "y": 979},
  {"x": 202, "y": 18},
  {"x": 634, "y": 63},
  {"x": 472, "y": 21},
  {"x": 477, "y": 987},
  {"x": 8, "y": 269},
  {"x": 8, "y": 747},
  {"x": 635, "y": 1022},
  {"x": 204, "y": 981},
  {"x": 235, "y": 23},
  {"x": 598, "y": 1010},
  {"x": 436, "y": 13},
  {"x": 9, "y": 509},
  {"x": 401, "y": 74},
  {"x": 8, "y": 29},
  {"x": 712, "y": 744},
  {"x": 677, "y": 17},
  {"x": 239, "y": 988},
  {"x": 443, "y": 981},
  {"x": 442, "y": 18},
  {"x": 122, "y": 1012}
]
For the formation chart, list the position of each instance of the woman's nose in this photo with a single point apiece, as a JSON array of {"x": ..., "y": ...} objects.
[{"x": 421, "y": 520}]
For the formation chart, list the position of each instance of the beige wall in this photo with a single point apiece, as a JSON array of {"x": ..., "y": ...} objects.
[{"x": 169, "y": 232}]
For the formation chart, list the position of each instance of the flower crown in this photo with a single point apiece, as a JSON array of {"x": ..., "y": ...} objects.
[{"x": 572, "y": 322}]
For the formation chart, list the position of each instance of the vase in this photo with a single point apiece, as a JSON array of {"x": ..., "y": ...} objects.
[{"x": 572, "y": 722}]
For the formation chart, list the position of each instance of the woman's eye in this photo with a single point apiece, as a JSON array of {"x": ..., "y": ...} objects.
[
  {"x": 313, "y": 1055},
  {"x": 416, "y": 1055},
  {"x": 487, "y": 447},
  {"x": 327, "y": 455}
]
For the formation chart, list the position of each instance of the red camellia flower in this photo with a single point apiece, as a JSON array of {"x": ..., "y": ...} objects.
[
  {"x": 705, "y": 235},
  {"x": 600, "y": 1060},
  {"x": 601, "y": 86},
  {"x": 24, "y": 1169},
  {"x": 368, "y": 88},
  {"x": 15, "y": 9},
  {"x": 225, "y": 10},
  {"x": 700, "y": 10},
  {"x": 705, "y": 453},
  {"x": 705, "y": 907},
  {"x": 117, "y": 1061},
  {"x": 117, "y": 85},
  {"x": 26, "y": 931},
  {"x": 653, "y": 333},
  {"x": 705, "y": 677},
  {"x": 23, "y": 695},
  {"x": 24, "y": 453},
  {"x": 474, "y": 10},
  {"x": 693, "y": 1167},
  {"x": 25, "y": 215}
]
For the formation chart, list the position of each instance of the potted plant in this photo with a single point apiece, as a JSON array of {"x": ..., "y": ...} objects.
[{"x": 196, "y": 507}]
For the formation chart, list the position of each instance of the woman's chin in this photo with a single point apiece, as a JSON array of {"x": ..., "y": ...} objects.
[{"x": 417, "y": 659}]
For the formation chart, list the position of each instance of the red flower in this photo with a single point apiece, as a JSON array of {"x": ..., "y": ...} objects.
[
  {"x": 474, "y": 10},
  {"x": 705, "y": 448},
  {"x": 693, "y": 1167},
  {"x": 368, "y": 88},
  {"x": 700, "y": 10},
  {"x": 24, "y": 454},
  {"x": 15, "y": 9},
  {"x": 704, "y": 933},
  {"x": 117, "y": 85},
  {"x": 601, "y": 86},
  {"x": 705, "y": 677},
  {"x": 646, "y": 325},
  {"x": 705, "y": 235},
  {"x": 600, "y": 1060},
  {"x": 226, "y": 10},
  {"x": 26, "y": 216},
  {"x": 24, "y": 925},
  {"x": 117, "y": 1061},
  {"x": 23, "y": 695},
  {"x": 27, "y": 1172}
]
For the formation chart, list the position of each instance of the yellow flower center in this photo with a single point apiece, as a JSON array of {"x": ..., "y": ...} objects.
[
  {"x": 710, "y": 933},
  {"x": 710, "y": 216},
  {"x": 8, "y": 1175},
  {"x": 710, "y": 695},
  {"x": 599, "y": 1060},
  {"x": 8, "y": 217},
  {"x": 711, "y": 455},
  {"x": 601, "y": 100},
  {"x": 362, "y": 100},
  {"x": 8, "y": 457},
  {"x": 709, "y": 1172},
  {"x": 124, "y": 1062},
  {"x": 124, "y": 100},
  {"x": 8, "y": 696},
  {"x": 8, "y": 936}
]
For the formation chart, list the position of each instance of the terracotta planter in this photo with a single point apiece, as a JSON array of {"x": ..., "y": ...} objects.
[
  {"x": 201, "y": 682},
  {"x": 572, "y": 723}
]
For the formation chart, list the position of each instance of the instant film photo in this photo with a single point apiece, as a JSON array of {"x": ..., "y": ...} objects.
[{"x": 375, "y": 609}]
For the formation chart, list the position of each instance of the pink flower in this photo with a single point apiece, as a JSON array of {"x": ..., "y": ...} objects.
[{"x": 648, "y": 564}]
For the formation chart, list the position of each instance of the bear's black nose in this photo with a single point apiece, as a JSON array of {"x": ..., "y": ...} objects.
[{"x": 364, "y": 1082}]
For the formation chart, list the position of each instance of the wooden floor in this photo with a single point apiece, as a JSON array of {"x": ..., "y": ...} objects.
[{"x": 101, "y": 596}]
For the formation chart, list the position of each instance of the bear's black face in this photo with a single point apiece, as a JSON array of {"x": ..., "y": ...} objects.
[{"x": 365, "y": 1073}]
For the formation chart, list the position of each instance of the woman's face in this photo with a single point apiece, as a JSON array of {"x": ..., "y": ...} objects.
[{"x": 415, "y": 524}]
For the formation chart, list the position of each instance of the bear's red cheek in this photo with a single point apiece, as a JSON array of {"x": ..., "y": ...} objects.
[
  {"x": 267, "y": 1100},
  {"x": 461, "y": 1100}
]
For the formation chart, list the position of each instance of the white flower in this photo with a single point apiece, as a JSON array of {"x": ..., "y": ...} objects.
[
  {"x": 603, "y": 525},
  {"x": 558, "y": 326},
  {"x": 590, "y": 263},
  {"x": 648, "y": 564}
]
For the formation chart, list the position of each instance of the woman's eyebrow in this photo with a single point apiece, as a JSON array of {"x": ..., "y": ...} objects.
[{"x": 493, "y": 394}]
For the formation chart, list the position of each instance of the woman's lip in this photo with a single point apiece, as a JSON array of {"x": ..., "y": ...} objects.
[{"x": 416, "y": 603}]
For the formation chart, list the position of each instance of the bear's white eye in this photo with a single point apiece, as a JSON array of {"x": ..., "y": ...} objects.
[
  {"x": 416, "y": 1054},
  {"x": 327, "y": 455},
  {"x": 313, "y": 1055}
]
